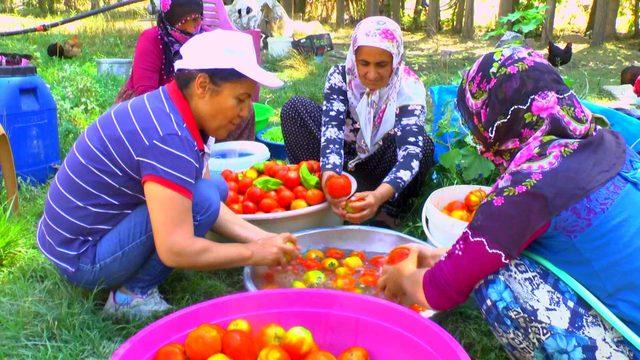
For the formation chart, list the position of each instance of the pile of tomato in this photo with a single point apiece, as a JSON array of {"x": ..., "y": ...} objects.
[
  {"x": 239, "y": 341},
  {"x": 333, "y": 268},
  {"x": 465, "y": 210}
]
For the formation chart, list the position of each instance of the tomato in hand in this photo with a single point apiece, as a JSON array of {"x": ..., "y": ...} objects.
[
  {"x": 338, "y": 186},
  {"x": 239, "y": 345},
  {"x": 249, "y": 208},
  {"x": 202, "y": 342},
  {"x": 354, "y": 353},
  {"x": 398, "y": 255},
  {"x": 171, "y": 352},
  {"x": 268, "y": 205},
  {"x": 285, "y": 197},
  {"x": 314, "y": 197}
]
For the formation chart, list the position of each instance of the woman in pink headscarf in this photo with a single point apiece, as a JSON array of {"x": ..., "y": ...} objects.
[{"x": 371, "y": 124}]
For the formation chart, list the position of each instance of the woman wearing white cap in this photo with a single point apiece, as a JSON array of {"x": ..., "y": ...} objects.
[
  {"x": 371, "y": 124},
  {"x": 133, "y": 200}
]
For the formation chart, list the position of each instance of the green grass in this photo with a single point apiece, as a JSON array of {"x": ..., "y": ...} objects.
[{"x": 42, "y": 316}]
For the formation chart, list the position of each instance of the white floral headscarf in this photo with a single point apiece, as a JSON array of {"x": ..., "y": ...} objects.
[{"x": 375, "y": 111}]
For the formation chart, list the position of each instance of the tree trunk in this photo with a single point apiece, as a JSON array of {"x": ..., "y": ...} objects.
[
  {"x": 599, "y": 23},
  {"x": 592, "y": 17},
  {"x": 417, "y": 14},
  {"x": 457, "y": 27},
  {"x": 340, "y": 13},
  {"x": 636, "y": 18},
  {"x": 396, "y": 13},
  {"x": 433, "y": 17},
  {"x": 467, "y": 29},
  {"x": 549, "y": 17},
  {"x": 373, "y": 8},
  {"x": 95, "y": 4},
  {"x": 612, "y": 17},
  {"x": 506, "y": 8}
]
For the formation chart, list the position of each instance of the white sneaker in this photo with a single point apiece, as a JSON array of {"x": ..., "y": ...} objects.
[{"x": 135, "y": 306}]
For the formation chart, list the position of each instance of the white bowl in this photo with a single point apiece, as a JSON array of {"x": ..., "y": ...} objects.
[
  {"x": 236, "y": 155},
  {"x": 310, "y": 217},
  {"x": 441, "y": 229}
]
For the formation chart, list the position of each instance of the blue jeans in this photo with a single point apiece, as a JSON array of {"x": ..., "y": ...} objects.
[{"x": 126, "y": 255}]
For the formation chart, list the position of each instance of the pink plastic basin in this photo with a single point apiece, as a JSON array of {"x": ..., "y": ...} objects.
[{"x": 338, "y": 320}]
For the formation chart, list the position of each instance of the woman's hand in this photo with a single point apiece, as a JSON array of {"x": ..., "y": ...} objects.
[
  {"x": 337, "y": 205},
  {"x": 402, "y": 283},
  {"x": 363, "y": 206},
  {"x": 427, "y": 256},
  {"x": 273, "y": 250}
]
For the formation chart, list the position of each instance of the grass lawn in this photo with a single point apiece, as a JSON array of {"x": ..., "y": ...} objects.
[{"x": 42, "y": 316}]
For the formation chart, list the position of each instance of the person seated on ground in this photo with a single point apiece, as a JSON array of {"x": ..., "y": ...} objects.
[
  {"x": 568, "y": 192},
  {"x": 371, "y": 124},
  {"x": 631, "y": 75},
  {"x": 159, "y": 47},
  {"x": 134, "y": 199}
]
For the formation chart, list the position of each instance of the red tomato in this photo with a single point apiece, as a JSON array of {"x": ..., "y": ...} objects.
[
  {"x": 171, "y": 352},
  {"x": 229, "y": 175},
  {"x": 368, "y": 280},
  {"x": 377, "y": 261},
  {"x": 254, "y": 194},
  {"x": 313, "y": 166},
  {"x": 202, "y": 342},
  {"x": 232, "y": 186},
  {"x": 300, "y": 192},
  {"x": 268, "y": 205},
  {"x": 314, "y": 197},
  {"x": 311, "y": 264},
  {"x": 279, "y": 209},
  {"x": 281, "y": 172},
  {"x": 291, "y": 179},
  {"x": 298, "y": 342},
  {"x": 236, "y": 208},
  {"x": 398, "y": 255},
  {"x": 293, "y": 167},
  {"x": 334, "y": 253},
  {"x": 338, "y": 186},
  {"x": 285, "y": 197},
  {"x": 417, "y": 308},
  {"x": 359, "y": 254},
  {"x": 232, "y": 198},
  {"x": 238, "y": 345},
  {"x": 354, "y": 353},
  {"x": 320, "y": 355},
  {"x": 244, "y": 185},
  {"x": 455, "y": 205},
  {"x": 271, "y": 194},
  {"x": 269, "y": 167},
  {"x": 249, "y": 208}
]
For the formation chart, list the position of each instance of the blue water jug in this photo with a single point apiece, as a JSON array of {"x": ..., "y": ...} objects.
[{"x": 28, "y": 114}]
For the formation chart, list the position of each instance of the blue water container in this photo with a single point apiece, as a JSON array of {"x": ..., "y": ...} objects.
[{"x": 28, "y": 114}]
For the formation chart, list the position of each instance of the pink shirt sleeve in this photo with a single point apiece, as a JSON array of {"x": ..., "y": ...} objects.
[
  {"x": 146, "y": 70},
  {"x": 450, "y": 281}
]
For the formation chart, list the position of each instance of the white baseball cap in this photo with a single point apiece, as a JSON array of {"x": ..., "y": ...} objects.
[{"x": 225, "y": 49}]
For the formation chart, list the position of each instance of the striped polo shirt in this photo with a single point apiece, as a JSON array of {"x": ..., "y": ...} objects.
[{"x": 152, "y": 137}]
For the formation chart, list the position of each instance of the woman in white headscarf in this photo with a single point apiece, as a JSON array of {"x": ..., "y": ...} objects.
[{"x": 371, "y": 124}]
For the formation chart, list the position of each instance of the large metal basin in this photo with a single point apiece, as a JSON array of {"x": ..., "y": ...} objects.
[{"x": 366, "y": 238}]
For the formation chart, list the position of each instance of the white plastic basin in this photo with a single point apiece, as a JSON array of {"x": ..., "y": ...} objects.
[{"x": 236, "y": 155}]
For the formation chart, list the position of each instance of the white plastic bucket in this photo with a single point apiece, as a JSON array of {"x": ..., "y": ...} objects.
[
  {"x": 120, "y": 67},
  {"x": 279, "y": 46},
  {"x": 441, "y": 229},
  {"x": 236, "y": 155}
]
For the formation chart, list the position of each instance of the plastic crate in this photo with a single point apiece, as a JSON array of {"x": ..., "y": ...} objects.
[{"x": 316, "y": 45}]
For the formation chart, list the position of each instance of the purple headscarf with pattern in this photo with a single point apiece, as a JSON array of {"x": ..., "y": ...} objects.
[
  {"x": 551, "y": 154},
  {"x": 173, "y": 13}
]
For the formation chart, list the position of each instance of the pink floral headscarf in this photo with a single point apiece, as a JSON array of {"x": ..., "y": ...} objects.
[{"x": 375, "y": 111}]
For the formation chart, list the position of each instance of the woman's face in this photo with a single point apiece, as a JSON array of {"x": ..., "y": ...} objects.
[
  {"x": 374, "y": 66},
  {"x": 191, "y": 26},
  {"x": 219, "y": 109}
]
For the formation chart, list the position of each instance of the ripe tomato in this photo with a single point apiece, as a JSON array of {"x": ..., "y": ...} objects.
[
  {"x": 285, "y": 197},
  {"x": 229, "y": 175},
  {"x": 236, "y": 208},
  {"x": 291, "y": 179},
  {"x": 232, "y": 186},
  {"x": 273, "y": 352},
  {"x": 270, "y": 334},
  {"x": 474, "y": 198},
  {"x": 339, "y": 186},
  {"x": 239, "y": 345},
  {"x": 313, "y": 166},
  {"x": 239, "y": 324},
  {"x": 311, "y": 264},
  {"x": 269, "y": 167},
  {"x": 346, "y": 283},
  {"x": 455, "y": 205},
  {"x": 298, "y": 342},
  {"x": 359, "y": 254},
  {"x": 282, "y": 172},
  {"x": 368, "y": 280},
  {"x": 300, "y": 192},
  {"x": 314, "y": 254},
  {"x": 202, "y": 342},
  {"x": 171, "y": 352},
  {"x": 354, "y": 353},
  {"x": 298, "y": 204},
  {"x": 249, "y": 208},
  {"x": 330, "y": 263},
  {"x": 353, "y": 206},
  {"x": 398, "y": 255},
  {"x": 314, "y": 197},
  {"x": 377, "y": 261},
  {"x": 267, "y": 205},
  {"x": 334, "y": 253},
  {"x": 271, "y": 194},
  {"x": 320, "y": 355},
  {"x": 254, "y": 194},
  {"x": 244, "y": 185},
  {"x": 232, "y": 198},
  {"x": 461, "y": 215},
  {"x": 293, "y": 167}
]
